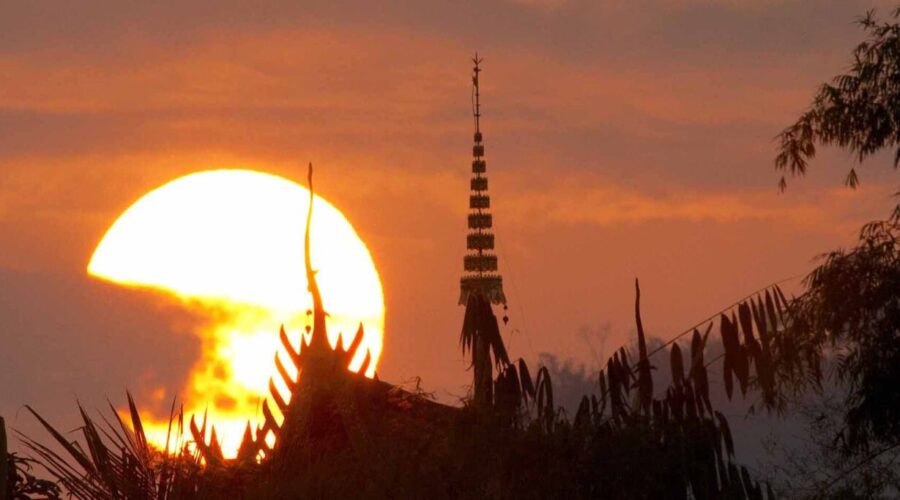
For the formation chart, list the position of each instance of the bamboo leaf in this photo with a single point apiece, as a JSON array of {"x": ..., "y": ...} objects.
[
  {"x": 582, "y": 415},
  {"x": 725, "y": 429},
  {"x": 727, "y": 375},
  {"x": 748, "y": 483},
  {"x": 545, "y": 406},
  {"x": 772, "y": 312},
  {"x": 690, "y": 402},
  {"x": 139, "y": 436},
  {"x": 206, "y": 451},
  {"x": 645, "y": 377},
  {"x": 467, "y": 335},
  {"x": 677, "y": 365},
  {"x": 77, "y": 454},
  {"x": 626, "y": 371},
  {"x": 732, "y": 347},
  {"x": 525, "y": 379},
  {"x": 746, "y": 319},
  {"x": 780, "y": 301},
  {"x": 741, "y": 360},
  {"x": 698, "y": 370},
  {"x": 99, "y": 453}
]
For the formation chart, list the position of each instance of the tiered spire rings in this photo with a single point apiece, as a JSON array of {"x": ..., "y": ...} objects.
[{"x": 480, "y": 263}]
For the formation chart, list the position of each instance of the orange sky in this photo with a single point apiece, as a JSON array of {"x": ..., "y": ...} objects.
[{"x": 623, "y": 139}]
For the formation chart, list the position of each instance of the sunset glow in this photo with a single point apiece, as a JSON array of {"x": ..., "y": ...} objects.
[{"x": 230, "y": 243}]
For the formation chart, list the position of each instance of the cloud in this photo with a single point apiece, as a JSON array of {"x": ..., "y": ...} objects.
[
  {"x": 586, "y": 199},
  {"x": 309, "y": 93},
  {"x": 66, "y": 337},
  {"x": 575, "y": 30}
]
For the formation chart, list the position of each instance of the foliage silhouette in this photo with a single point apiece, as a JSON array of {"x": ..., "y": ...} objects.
[
  {"x": 851, "y": 310},
  {"x": 119, "y": 462},
  {"x": 852, "y": 306},
  {"x": 858, "y": 110},
  {"x": 619, "y": 444},
  {"x": 817, "y": 469}
]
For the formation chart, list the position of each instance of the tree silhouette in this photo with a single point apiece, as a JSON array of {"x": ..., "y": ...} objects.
[
  {"x": 858, "y": 110},
  {"x": 851, "y": 308}
]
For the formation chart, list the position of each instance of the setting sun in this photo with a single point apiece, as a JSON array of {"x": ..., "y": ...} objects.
[{"x": 231, "y": 242}]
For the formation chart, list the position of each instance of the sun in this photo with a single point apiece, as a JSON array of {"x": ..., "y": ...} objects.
[{"x": 231, "y": 242}]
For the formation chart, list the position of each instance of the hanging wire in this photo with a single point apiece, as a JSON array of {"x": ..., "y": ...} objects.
[{"x": 714, "y": 315}]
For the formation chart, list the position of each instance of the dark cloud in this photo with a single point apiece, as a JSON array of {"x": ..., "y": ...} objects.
[
  {"x": 66, "y": 337},
  {"x": 576, "y": 29},
  {"x": 766, "y": 27},
  {"x": 585, "y": 84}
]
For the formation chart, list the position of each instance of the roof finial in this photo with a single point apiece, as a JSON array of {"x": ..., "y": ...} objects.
[
  {"x": 477, "y": 97},
  {"x": 319, "y": 334}
]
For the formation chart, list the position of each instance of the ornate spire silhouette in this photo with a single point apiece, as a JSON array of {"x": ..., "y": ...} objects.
[
  {"x": 319, "y": 333},
  {"x": 480, "y": 276}
]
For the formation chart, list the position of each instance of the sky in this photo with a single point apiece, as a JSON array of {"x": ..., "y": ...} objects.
[{"x": 623, "y": 139}]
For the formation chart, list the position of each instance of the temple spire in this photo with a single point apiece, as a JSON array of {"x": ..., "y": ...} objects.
[
  {"x": 319, "y": 334},
  {"x": 480, "y": 274}
]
